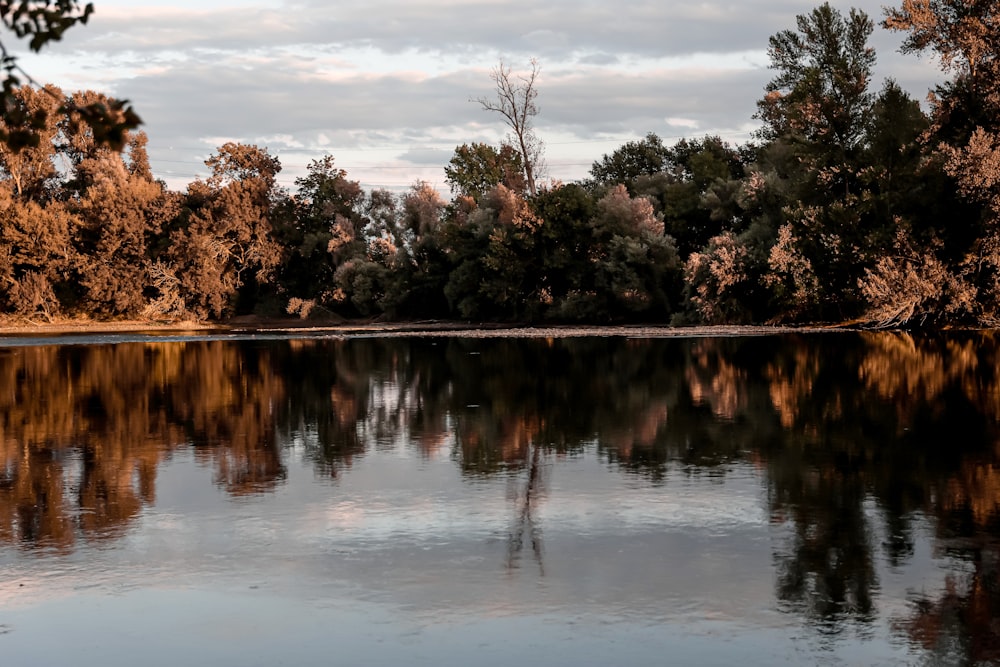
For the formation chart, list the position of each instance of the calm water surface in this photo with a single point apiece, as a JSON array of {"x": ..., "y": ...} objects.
[{"x": 601, "y": 501}]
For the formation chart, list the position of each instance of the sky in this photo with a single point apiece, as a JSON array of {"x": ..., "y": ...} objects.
[{"x": 385, "y": 86}]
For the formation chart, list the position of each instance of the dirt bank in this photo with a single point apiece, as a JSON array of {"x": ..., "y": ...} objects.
[{"x": 348, "y": 329}]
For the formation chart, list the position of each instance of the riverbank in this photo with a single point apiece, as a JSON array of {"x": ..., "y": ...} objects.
[{"x": 347, "y": 329}]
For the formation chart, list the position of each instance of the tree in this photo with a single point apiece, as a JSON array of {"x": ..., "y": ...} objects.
[
  {"x": 714, "y": 277},
  {"x": 224, "y": 246},
  {"x": 565, "y": 242},
  {"x": 645, "y": 157},
  {"x": 964, "y": 134},
  {"x": 425, "y": 273},
  {"x": 374, "y": 267},
  {"x": 510, "y": 261},
  {"x": 965, "y": 35},
  {"x": 422, "y": 209},
  {"x": 893, "y": 149},
  {"x": 636, "y": 266},
  {"x": 821, "y": 90},
  {"x": 321, "y": 231},
  {"x": 691, "y": 171},
  {"x": 515, "y": 102},
  {"x": 965, "y": 112},
  {"x": 35, "y": 254},
  {"x": 120, "y": 215},
  {"x": 815, "y": 114},
  {"x": 31, "y": 167},
  {"x": 83, "y": 148},
  {"x": 44, "y": 21},
  {"x": 477, "y": 168},
  {"x": 491, "y": 249}
]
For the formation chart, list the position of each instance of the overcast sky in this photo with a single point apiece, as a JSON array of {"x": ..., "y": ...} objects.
[{"x": 384, "y": 85}]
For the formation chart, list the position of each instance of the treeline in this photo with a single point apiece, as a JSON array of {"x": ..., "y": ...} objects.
[{"x": 851, "y": 203}]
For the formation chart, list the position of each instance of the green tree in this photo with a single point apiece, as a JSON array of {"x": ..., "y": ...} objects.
[
  {"x": 694, "y": 171},
  {"x": 816, "y": 110},
  {"x": 564, "y": 243},
  {"x": 477, "y": 168},
  {"x": 894, "y": 152},
  {"x": 373, "y": 270},
  {"x": 645, "y": 157},
  {"x": 636, "y": 265},
  {"x": 821, "y": 90},
  {"x": 465, "y": 237},
  {"x": 322, "y": 229},
  {"x": 425, "y": 272},
  {"x": 490, "y": 252}
]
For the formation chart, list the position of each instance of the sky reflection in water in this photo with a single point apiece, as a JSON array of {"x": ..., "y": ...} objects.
[{"x": 776, "y": 500}]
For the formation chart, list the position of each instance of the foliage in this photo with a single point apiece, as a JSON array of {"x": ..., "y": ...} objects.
[
  {"x": 852, "y": 204},
  {"x": 224, "y": 241},
  {"x": 30, "y": 167},
  {"x": 913, "y": 287},
  {"x": 713, "y": 279},
  {"x": 35, "y": 254},
  {"x": 41, "y": 22},
  {"x": 964, "y": 134},
  {"x": 315, "y": 229},
  {"x": 821, "y": 90},
  {"x": 848, "y": 162},
  {"x": 694, "y": 192},
  {"x": 645, "y": 157},
  {"x": 634, "y": 263},
  {"x": 477, "y": 168},
  {"x": 117, "y": 216}
]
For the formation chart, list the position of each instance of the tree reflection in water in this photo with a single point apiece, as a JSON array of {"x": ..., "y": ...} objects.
[
  {"x": 854, "y": 436},
  {"x": 525, "y": 526}
]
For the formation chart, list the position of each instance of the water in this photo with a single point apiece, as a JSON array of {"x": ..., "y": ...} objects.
[{"x": 708, "y": 501}]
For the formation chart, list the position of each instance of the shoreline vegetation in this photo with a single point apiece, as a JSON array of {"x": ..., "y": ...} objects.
[{"x": 851, "y": 203}]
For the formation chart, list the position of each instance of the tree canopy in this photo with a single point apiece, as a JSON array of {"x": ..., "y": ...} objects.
[{"x": 851, "y": 204}]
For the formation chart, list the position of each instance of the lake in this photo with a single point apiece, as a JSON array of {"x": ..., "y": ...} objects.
[{"x": 268, "y": 500}]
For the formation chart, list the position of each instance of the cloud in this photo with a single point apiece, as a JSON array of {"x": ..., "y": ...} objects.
[
  {"x": 605, "y": 59},
  {"x": 686, "y": 123},
  {"x": 431, "y": 156},
  {"x": 645, "y": 27},
  {"x": 388, "y": 82}
]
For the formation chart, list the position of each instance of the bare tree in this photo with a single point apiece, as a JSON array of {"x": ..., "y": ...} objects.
[{"x": 515, "y": 101}]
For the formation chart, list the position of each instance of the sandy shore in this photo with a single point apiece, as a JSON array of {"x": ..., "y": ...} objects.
[{"x": 389, "y": 329}]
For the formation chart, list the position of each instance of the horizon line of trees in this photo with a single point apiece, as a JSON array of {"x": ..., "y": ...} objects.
[{"x": 850, "y": 204}]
